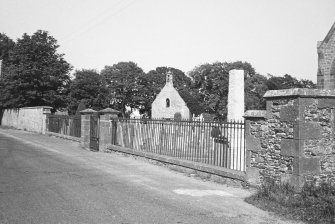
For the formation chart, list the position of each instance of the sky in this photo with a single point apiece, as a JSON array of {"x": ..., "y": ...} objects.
[{"x": 276, "y": 37}]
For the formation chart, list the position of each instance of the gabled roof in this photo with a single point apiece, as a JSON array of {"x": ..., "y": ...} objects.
[{"x": 329, "y": 35}]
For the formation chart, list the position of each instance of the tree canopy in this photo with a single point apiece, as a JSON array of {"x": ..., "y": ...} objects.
[
  {"x": 6, "y": 45},
  {"x": 212, "y": 80},
  {"x": 88, "y": 89},
  {"x": 35, "y": 73},
  {"x": 122, "y": 80},
  {"x": 288, "y": 82}
]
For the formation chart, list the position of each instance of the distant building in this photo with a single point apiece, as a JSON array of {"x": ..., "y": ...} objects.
[
  {"x": 169, "y": 103},
  {"x": 326, "y": 61}
]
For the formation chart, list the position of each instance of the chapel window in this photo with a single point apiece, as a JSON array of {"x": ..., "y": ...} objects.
[{"x": 167, "y": 102}]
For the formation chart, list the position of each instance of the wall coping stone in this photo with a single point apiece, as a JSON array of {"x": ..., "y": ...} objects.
[
  {"x": 300, "y": 92},
  {"x": 37, "y": 107},
  {"x": 255, "y": 113},
  {"x": 220, "y": 171},
  {"x": 88, "y": 111},
  {"x": 109, "y": 111}
]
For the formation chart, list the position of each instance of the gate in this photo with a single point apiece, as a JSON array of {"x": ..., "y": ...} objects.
[
  {"x": 114, "y": 132},
  {"x": 94, "y": 132}
]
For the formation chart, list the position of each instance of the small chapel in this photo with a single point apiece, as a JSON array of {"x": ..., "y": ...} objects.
[{"x": 169, "y": 103}]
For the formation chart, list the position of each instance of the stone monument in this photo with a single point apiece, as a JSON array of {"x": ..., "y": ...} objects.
[
  {"x": 236, "y": 113},
  {"x": 236, "y": 95}
]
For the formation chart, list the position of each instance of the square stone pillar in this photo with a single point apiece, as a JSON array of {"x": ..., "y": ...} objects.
[
  {"x": 85, "y": 127},
  {"x": 309, "y": 113},
  {"x": 46, "y": 110},
  {"x": 294, "y": 140},
  {"x": 105, "y": 128},
  {"x": 254, "y": 120}
]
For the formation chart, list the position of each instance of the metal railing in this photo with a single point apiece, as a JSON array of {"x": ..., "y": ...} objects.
[
  {"x": 215, "y": 143},
  {"x": 63, "y": 124}
]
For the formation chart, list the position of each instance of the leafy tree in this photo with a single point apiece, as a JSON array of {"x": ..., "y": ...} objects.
[
  {"x": 249, "y": 71},
  {"x": 6, "y": 45},
  {"x": 36, "y": 74},
  {"x": 81, "y": 106},
  {"x": 287, "y": 82},
  {"x": 212, "y": 80},
  {"x": 88, "y": 89},
  {"x": 122, "y": 80},
  {"x": 254, "y": 90},
  {"x": 192, "y": 102}
]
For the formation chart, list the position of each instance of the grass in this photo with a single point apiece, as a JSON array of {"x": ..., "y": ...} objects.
[{"x": 313, "y": 204}]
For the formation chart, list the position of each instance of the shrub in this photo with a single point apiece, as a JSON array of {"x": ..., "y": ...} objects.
[{"x": 314, "y": 203}]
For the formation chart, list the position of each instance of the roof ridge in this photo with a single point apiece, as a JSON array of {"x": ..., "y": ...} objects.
[{"x": 329, "y": 34}]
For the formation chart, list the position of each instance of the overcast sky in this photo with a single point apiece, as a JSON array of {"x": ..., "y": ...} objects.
[{"x": 276, "y": 36}]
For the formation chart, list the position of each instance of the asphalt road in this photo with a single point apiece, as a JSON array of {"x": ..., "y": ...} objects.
[{"x": 50, "y": 180}]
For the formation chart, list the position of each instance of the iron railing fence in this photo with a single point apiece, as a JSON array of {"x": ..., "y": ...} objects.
[
  {"x": 216, "y": 143},
  {"x": 64, "y": 124}
]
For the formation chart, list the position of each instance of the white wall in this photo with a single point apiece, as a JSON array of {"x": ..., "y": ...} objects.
[
  {"x": 26, "y": 118},
  {"x": 177, "y": 104}
]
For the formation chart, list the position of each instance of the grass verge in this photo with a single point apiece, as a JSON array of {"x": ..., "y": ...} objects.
[{"x": 313, "y": 204}]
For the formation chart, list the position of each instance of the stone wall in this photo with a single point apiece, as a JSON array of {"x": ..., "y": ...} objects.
[
  {"x": 26, "y": 118},
  {"x": 293, "y": 140},
  {"x": 264, "y": 137},
  {"x": 322, "y": 148}
]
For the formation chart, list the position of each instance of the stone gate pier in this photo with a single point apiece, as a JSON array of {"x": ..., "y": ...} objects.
[{"x": 293, "y": 139}]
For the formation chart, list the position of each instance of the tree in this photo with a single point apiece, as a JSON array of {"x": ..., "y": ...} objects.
[
  {"x": 249, "y": 71},
  {"x": 212, "y": 80},
  {"x": 254, "y": 90},
  {"x": 36, "y": 74},
  {"x": 192, "y": 102},
  {"x": 81, "y": 106},
  {"x": 122, "y": 80},
  {"x": 87, "y": 88},
  {"x": 6, "y": 45},
  {"x": 287, "y": 82}
]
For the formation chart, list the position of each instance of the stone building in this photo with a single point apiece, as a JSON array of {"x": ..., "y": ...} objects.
[
  {"x": 169, "y": 102},
  {"x": 326, "y": 61}
]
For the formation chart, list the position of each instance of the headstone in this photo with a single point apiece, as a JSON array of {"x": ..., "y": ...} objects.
[
  {"x": 177, "y": 116},
  {"x": 236, "y": 95}
]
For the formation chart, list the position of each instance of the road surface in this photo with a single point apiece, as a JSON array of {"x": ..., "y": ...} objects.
[{"x": 45, "y": 179}]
